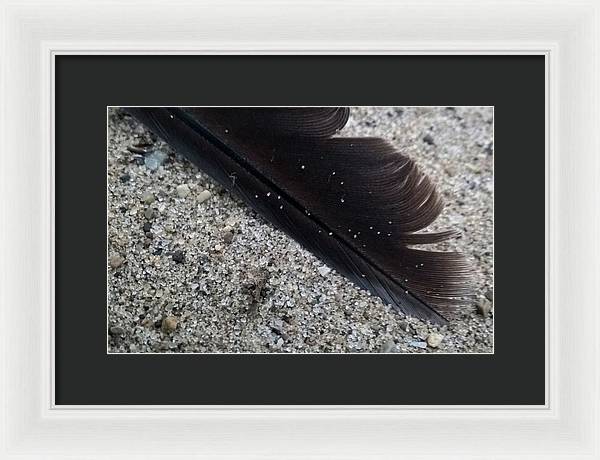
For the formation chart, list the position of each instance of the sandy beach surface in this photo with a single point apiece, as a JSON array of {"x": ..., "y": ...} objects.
[{"x": 191, "y": 269}]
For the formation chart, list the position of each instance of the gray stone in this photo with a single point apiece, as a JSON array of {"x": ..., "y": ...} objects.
[
  {"x": 179, "y": 257},
  {"x": 149, "y": 213},
  {"x": 387, "y": 347},
  {"x": 116, "y": 330},
  {"x": 148, "y": 198},
  {"x": 434, "y": 339},
  {"x": 183, "y": 190},
  {"x": 428, "y": 139},
  {"x": 228, "y": 234},
  {"x": 473, "y": 168},
  {"x": 324, "y": 271},
  {"x": 203, "y": 196},
  {"x": 155, "y": 159},
  {"x": 116, "y": 261},
  {"x": 484, "y": 306},
  {"x": 418, "y": 344},
  {"x": 169, "y": 324}
]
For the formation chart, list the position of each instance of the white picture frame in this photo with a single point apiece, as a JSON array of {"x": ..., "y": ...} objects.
[{"x": 567, "y": 33}]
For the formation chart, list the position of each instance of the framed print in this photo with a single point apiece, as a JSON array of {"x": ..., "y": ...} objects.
[
  {"x": 171, "y": 288},
  {"x": 251, "y": 238}
]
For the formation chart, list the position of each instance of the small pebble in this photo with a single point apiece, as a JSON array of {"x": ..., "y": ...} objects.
[
  {"x": 418, "y": 344},
  {"x": 116, "y": 330},
  {"x": 428, "y": 139},
  {"x": 179, "y": 257},
  {"x": 231, "y": 222},
  {"x": 472, "y": 168},
  {"x": 149, "y": 213},
  {"x": 404, "y": 325},
  {"x": 148, "y": 198},
  {"x": 125, "y": 178},
  {"x": 227, "y": 235},
  {"x": 434, "y": 340},
  {"x": 147, "y": 227},
  {"x": 324, "y": 271},
  {"x": 484, "y": 306},
  {"x": 183, "y": 190},
  {"x": 155, "y": 159},
  {"x": 116, "y": 261},
  {"x": 450, "y": 171},
  {"x": 169, "y": 324},
  {"x": 203, "y": 196},
  {"x": 388, "y": 346}
]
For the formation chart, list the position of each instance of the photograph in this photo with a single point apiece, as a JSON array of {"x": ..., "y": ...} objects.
[{"x": 360, "y": 229}]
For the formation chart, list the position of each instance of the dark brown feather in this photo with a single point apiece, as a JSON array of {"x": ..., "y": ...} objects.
[{"x": 356, "y": 203}]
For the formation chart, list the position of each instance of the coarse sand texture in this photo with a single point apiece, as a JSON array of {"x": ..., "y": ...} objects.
[{"x": 191, "y": 269}]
